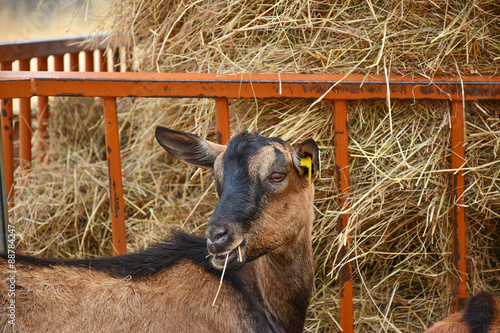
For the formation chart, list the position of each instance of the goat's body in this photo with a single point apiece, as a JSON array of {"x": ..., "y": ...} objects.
[
  {"x": 89, "y": 301},
  {"x": 481, "y": 315},
  {"x": 177, "y": 298},
  {"x": 259, "y": 233}
]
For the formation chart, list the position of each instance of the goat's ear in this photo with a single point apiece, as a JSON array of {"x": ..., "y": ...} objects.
[
  {"x": 307, "y": 154},
  {"x": 189, "y": 148}
]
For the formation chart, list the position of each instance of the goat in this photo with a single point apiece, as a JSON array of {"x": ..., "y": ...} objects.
[
  {"x": 259, "y": 232},
  {"x": 481, "y": 315}
]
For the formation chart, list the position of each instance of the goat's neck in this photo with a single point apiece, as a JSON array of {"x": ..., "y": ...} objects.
[{"x": 284, "y": 279}]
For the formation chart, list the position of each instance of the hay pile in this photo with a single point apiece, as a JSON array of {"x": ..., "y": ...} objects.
[
  {"x": 400, "y": 225},
  {"x": 289, "y": 36}
]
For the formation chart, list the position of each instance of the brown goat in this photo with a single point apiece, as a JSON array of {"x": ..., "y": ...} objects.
[
  {"x": 481, "y": 315},
  {"x": 260, "y": 230}
]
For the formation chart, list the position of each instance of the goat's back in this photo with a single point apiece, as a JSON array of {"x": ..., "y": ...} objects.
[{"x": 69, "y": 298}]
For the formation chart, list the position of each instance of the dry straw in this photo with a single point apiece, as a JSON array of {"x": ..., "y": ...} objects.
[
  {"x": 399, "y": 228},
  {"x": 289, "y": 36}
]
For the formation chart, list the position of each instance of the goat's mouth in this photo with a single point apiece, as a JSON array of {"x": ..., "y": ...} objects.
[
  {"x": 233, "y": 259},
  {"x": 225, "y": 256}
]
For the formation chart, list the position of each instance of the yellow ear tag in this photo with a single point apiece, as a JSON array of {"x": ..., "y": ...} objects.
[{"x": 306, "y": 161}]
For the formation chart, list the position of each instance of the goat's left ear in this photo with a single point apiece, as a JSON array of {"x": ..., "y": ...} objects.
[
  {"x": 307, "y": 157},
  {"x": 189, "y": 148}
]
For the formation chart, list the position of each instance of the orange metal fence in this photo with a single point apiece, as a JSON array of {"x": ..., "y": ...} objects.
[
  {"x": 23, "y": 52},
  {"x": 339, "y": 88}
]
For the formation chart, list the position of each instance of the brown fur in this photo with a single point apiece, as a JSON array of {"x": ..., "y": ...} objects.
[
  {"x": 82, "y": 300},
  {"x": 269, "y": 292},
  {"x": 476, "y": 308}
]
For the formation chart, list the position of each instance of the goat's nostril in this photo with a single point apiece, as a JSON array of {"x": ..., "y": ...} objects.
[{"x": 217, "y": 234}]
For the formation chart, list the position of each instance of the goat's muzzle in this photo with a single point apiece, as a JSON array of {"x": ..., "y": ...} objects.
[{"x": 224, "y": 243}]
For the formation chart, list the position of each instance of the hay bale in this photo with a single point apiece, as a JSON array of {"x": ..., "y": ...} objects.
[
  {"x": 400, "y": 225},
  {"x": 288, "y": 36}
]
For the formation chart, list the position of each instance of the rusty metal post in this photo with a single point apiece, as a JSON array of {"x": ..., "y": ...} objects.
[
  {"x": 24, "y": 124},
  {"x": 8, "y": 139},
  {"x": 89, "y": 61},
  {"x": 59, "y": 63},
  {"x": 222, "y": 120},
  {"x": 458, "y": 209},
  {"x": 74, "y": 62},
  {"x": 115, "y": 176},
  {"x": 343, "y": 183},
  {"x": 43, "y": 115},
  {"x": 103, "y": 59},
  {"x": 4, "y": 207}
]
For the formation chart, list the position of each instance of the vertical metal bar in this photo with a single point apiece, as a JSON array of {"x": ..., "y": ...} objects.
[
  {"x": 89, "y": 61},
  {"x": 103, "y": 58},
  {"x": 115, "y": 176},
  {"x": 343, "y": 183},
  {"x": 74, "y": 62},
  {"x": 8, "y": 139},
  {"x": 4, "y": 208},
  {"x": 24, "y": 124},
  {"x": 222, "y": 120},
  {"x": 458, "y": 209},
  {"x": 59, "y": 63},
  {"x": 43, "y": 115}
]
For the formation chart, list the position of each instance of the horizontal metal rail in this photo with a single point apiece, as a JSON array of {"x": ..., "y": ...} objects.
[
  {"x": 55, "y": 46},
  {"x": 340, "y": 88}
]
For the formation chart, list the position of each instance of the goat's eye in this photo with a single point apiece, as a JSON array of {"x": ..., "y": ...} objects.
[{"x": 277, "y": 177}]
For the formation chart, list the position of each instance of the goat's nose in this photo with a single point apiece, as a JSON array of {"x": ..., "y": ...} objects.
[{"x": 217, "y": 234}]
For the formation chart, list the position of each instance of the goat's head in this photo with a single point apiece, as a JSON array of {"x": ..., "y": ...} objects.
[{"x": 265, "y": 193}]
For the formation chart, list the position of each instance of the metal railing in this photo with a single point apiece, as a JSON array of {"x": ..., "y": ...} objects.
[
  {"x": 22, "y": 53},
  {"x": 339, "y": 88}
]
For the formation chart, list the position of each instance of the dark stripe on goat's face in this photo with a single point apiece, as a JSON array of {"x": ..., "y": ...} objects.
[
  {"x": 243, "y": 175},
  {"x": 248, "y": 160}
]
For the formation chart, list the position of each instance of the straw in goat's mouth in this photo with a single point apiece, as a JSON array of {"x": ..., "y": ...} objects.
[
  {"x": 240, "y": 259},
  {"x": 221, "y": 279},
  {"x": 225, "y": 257}
]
